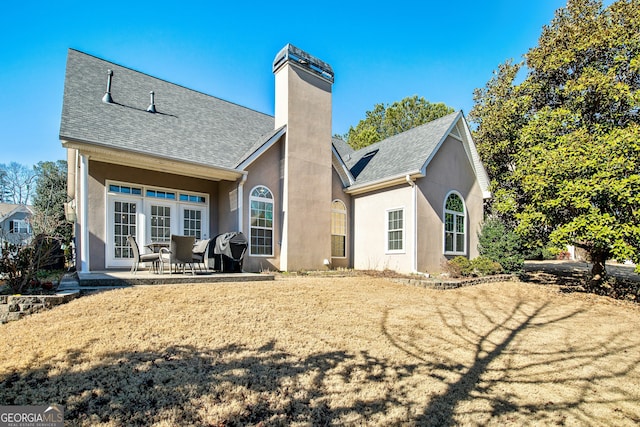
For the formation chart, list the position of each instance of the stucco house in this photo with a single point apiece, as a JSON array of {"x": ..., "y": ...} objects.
[
  {"x": 151, "y": 158},
  {"x": 15, "y": 225}
]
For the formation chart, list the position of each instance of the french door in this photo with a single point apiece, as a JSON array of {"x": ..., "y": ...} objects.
[{"x": 124, "y": 215}]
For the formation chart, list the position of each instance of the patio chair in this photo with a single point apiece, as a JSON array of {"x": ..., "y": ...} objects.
[
  {"x": 200, "y": 250},
  {"x": 153, "y": 258},
  {"x": 180, "y": 254}
]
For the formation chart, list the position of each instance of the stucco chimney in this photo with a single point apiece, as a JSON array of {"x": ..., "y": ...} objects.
[{"x": 303, "y": 103}]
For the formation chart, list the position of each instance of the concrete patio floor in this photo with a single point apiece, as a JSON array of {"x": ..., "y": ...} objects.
[{"x": 97, "y": 280}]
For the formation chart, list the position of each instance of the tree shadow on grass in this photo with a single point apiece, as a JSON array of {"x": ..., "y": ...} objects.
[
  {"x": 622, "y": 282},
  {"x": 184, "y": 385},
  {"x": 501, "y": 367},
  {"x": 480, "y": 358}
]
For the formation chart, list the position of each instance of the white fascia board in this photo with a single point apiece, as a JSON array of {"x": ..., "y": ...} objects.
[
  {"x": 471, "y": 151},
  {"x": 343, "y": 166},
  {"x": 264, "y": 147},
  {"x": 423, "y": 169},
  {"x": 383, "y": 183},
  {"x": 481, "y": 173}
]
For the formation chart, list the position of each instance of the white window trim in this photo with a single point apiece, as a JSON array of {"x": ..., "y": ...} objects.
[
  {"x": 273, "y": 211},
  {"x": 110, "y": 259},
  {"x": 444, "y": 224},
  {"x": 346, "y": 227},
  {"x": 404, "y": 231}
]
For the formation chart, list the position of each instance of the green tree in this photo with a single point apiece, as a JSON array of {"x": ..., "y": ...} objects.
[
  {"x": 388, "y": 120},
  {"x": 567, "y": 138},
  {"x": 49, "y": 199}
]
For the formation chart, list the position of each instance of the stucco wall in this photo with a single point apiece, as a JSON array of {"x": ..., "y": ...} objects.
[
  {"x": 448, "y": 171},
  {"x": 303, "y": 102},
  {"x": 100, "y": 172},
  {"x": 370, "y": 230},
  {"x": 266, "y": 170}
]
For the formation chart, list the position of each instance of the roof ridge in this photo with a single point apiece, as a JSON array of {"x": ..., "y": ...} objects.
[
  {"x": 376, "y": 145},
  {"x": 169, "y": 82}
]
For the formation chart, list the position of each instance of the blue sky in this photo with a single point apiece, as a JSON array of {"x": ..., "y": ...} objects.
[{"x": 380, "y": 52}]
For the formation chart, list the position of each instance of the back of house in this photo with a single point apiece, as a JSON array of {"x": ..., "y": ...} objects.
[{"x": 150, "y": 158}]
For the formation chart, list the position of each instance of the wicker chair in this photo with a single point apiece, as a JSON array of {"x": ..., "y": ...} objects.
[
  {"x": 200, "y": 250},
  {"x": 153, "y": 258},
  {"x": 180, "y": 254}
]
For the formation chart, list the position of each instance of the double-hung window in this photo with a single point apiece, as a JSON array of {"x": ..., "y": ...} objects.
[
  {"x": 454, "y": 225},
  {"x": 395, "y": 230},
  {"x": 338, "y": 229},
  {"x": 261, "y": 214}
]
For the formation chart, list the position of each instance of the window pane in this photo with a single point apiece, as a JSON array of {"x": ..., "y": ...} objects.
[
  {"x": 160, "y": 223},
  {"x": 448, "y": 242},
  {"x": 338, "y": 246},
  {"x": 459, "y": 242},
  {"x": 454, "y": 203},
  {"x": 448, "y": 222}
]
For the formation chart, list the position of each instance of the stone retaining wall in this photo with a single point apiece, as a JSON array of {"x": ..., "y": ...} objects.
[
  {"x": 455, "y": 284},
  {"x": 14, "y": 307}
]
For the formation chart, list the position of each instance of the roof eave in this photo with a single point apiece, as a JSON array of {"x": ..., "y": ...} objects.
[
  {"x": 144, "y": 160},
  {"x": 383, "y": 183},
  {"x": 248, "y": 160}
]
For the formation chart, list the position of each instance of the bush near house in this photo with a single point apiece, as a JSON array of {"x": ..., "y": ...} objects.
[
  {"x": 480, "y": 266},
  {"x": 22, "y": 267},
  {"x": 500, "y": 244}
]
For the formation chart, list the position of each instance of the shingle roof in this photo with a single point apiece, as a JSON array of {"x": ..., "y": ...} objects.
[
  {"x": 342, "y": 147},
  {"x": 7, "y": 209},
  {"x": 400, "y": 154},
  {"x": 189, "y": 126}
]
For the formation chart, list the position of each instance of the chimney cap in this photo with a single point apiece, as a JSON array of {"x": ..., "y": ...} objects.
[{"x": 292, "y": 54}]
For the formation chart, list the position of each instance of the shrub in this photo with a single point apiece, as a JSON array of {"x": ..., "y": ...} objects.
[
  {"x": 458, "y": 267},
  {"x": 499, "y": 244},
  {"x": 484, "y": 266},
  {"x": 20, "y": 265}
]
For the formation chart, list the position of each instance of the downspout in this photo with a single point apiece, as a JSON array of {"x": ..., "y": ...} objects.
[
  {"x": 414, "y": 202},
  {"x": 241, "y": 201}
]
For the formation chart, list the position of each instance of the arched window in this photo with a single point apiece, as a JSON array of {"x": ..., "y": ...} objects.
[
  {"x": 455, "y": 237},
  {"x": 338, "y": 229},
  {"x": 261, "y": 214}
]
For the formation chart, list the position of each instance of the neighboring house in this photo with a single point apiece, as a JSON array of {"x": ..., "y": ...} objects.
[
  {"x": 15, "y": 225},
  {"x": 151, "y": 158}
]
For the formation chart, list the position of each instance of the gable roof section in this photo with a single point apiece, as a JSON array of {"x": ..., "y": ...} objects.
[
  {"x": 188, "y": 127},
  {"x": 388, "y": 162},
  {"x": 265, "y": 142},
  {"x": 9, "y": 209}
]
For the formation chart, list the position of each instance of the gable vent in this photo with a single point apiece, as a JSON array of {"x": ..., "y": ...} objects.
[{"x": 107, "y": 96}]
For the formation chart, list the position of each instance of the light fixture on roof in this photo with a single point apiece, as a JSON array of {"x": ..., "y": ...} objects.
[
  {"x": 107, "y": 96},
  {"x": 152, "y": 106}
]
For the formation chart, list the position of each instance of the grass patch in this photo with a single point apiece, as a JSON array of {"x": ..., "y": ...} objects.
[{"x": 329, "y": 351}]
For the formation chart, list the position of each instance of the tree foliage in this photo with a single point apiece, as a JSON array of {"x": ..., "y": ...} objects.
[
  {"x": 497, "y": 243},
  {"x": 563, "y": 146},
  {"x": 49, "y": 199},
  {"x": 388, "y": 120}
]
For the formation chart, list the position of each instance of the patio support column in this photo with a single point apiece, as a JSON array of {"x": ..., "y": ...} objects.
[
  {"x": 241, "y": 202},
  {"x": 84, "y": 213}
]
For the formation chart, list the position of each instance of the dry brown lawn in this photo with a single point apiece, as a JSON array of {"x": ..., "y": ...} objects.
[{"x": 329, "y": 351}]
